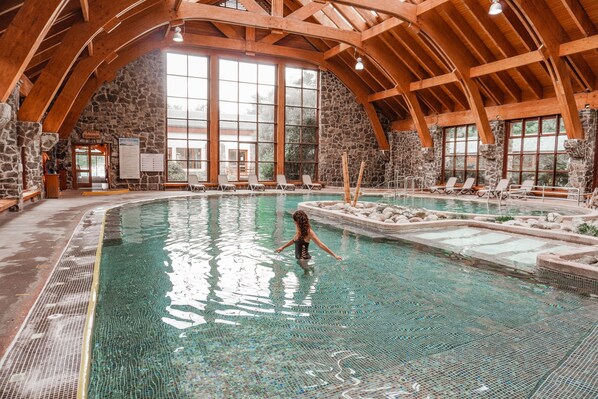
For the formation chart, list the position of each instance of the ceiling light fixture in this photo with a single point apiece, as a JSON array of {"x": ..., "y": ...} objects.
[
  {"x": 495, "y": 8},
  {"x": 177, "y": 37},
  {"x": 359, "y": 64}
]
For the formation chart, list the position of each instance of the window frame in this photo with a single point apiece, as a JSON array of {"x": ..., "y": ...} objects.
[
  {"x": 301, "y": 163},
  {"x": 188, "y": 162},
  {"x": 465, "y": 154},
  {"x": 519, "y": 173}
]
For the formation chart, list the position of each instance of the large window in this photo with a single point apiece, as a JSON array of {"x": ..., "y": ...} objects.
[
  {"x": 535, "y": 150},
  {"x": 187, "y": 113},
  {"x": 461, "y": 156},
  {"x": 247, "y": 119},
  {"x": 301, "y": 122}
]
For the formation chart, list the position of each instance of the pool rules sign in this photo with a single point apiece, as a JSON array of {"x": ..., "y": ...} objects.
[{"x": 128, "y": 157}]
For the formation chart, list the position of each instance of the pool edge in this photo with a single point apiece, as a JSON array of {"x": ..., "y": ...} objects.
[{"x": 85, "y": 368}]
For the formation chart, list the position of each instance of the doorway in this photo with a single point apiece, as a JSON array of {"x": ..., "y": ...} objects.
[{"x": 90, "y": 166}]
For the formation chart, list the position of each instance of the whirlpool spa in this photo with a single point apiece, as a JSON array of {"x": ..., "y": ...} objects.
[{"x": 193, "y": 302}]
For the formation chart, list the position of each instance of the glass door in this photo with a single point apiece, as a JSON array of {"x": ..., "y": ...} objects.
[{"x": 90, "y": 165}]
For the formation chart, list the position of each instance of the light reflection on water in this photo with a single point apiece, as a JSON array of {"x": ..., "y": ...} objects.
[{"x": 224, "y": 260}]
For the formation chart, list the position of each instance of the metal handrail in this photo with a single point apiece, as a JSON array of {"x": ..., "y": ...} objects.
[{"x": 573, "y": 193}]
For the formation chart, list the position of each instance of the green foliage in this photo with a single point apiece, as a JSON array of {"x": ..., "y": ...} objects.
[
  {"x": 502, "y": 219},
  {"x": 587, "y": 229},
  {"x": 176, "y": 172}
]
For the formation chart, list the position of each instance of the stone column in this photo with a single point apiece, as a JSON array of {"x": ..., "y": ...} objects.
[
  {"x": 11, "y": 181},
  {"x": 492, "y": 154},
  {"x": 581, "y": 152},
  {"x": 29, "y": 138},
  {"x": 5, "y": 114},
  {"x": 432, "y": 159}
]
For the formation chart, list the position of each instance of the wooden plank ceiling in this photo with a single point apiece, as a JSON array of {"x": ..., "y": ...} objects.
[{"x": 426, "y": 61}]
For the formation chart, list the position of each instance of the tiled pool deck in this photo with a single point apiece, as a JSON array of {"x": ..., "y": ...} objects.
[{"x": 44, "y": 360}]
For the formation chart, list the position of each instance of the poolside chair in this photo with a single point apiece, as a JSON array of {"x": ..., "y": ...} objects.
[
  {"x": 224, "y": 185},
  {"x": 281, "y": 182},
  {"x": 307, "y": 183},
  {"x": 194, "y": 184},
  {"x": 442, "y": 189},
  {"x": 467, "y": 188},
  {"x": 255, "y": 185},
  {"x": 499, "y": 191},
  {"x": 523, "y": 191}
]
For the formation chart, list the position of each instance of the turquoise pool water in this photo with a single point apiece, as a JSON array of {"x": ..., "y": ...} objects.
[
  {"x": 194, "y": 303},
  {"x": 478, "y": 207}
]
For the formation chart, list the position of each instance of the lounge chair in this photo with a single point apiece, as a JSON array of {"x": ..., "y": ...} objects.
[
  {"x": 255, "y": 185},
  {"x": 194, "y": 184},
  {"x": 522, "y": 191},
  {"x": 467, "y": 188},
  {"x": 307, "y": 183},
  {"x": 442, "y": 189},
  {"x": 224, "y": 185},
  {"x": 281, "y": 182},
  {"x": 499, "y": 191}
]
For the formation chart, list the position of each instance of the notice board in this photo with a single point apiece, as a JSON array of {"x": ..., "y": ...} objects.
[
  {"x": 152, "y": 162},
  {"x": 128, "y": 156}
]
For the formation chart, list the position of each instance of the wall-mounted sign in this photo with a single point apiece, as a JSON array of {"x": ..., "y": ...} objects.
[
  {"x": 152, "y": 162},
  {"x": 128, "y": 157},
  {"x": 92, "y": 134}
]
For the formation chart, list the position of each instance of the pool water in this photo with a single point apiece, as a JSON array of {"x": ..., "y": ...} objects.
[
  {"x": 479, "y": 207},
  {"x": 195, "y": 303}
]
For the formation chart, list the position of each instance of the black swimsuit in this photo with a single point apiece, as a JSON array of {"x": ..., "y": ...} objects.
[{"x": 301, "y": 249}]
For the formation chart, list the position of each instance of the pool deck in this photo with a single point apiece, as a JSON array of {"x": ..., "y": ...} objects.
[{"x": 38, "y": 249}]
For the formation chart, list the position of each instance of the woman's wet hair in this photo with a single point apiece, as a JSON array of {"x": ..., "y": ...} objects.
[{"x": 302, "y": 221}]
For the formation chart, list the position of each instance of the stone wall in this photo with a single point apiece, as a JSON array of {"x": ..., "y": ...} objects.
[
  {"x": 581, "y": 152},
  {"x": 132, "y": 105},
  {"x": 344, "y": 126},
  {"x": 11, "y": 181},
  {"x": 29, "y": 138}
]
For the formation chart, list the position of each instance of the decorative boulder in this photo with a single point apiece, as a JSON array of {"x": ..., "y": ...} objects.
[
  {"x": 415, "y": 220},
  {"x": 431, "y": 218},
  {"x": 554, "y": 217}
]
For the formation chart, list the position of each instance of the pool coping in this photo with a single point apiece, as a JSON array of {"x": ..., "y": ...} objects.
[{"x": 75, "y": 384}]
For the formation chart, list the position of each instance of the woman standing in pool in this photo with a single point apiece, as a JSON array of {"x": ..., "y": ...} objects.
[{"x": 304, "y": 234}]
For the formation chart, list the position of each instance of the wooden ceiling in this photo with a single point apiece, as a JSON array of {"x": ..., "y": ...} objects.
[{"x": 426, "y": 61}]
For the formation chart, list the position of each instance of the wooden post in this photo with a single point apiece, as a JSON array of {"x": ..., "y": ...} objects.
[
  {"x": 346, "y": 179},
  {"x": 361, "y": 168}
]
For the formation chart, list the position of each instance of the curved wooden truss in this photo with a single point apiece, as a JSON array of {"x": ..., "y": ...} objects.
[{"x": 425, "y": 59}]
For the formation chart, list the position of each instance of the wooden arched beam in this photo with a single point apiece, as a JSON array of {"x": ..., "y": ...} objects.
[
  {"x": 460, "y": 57},
  {"x": 448, "y": 44},
  {"x": 379, "y": 53},
  {"x": 538, "y": 16},
  {"x": 105, "y": 48},
  {"x": 106, "y": 72},
  {"x": 108, "y": 45},
  {"x": 22, "y": 38},
  {"x": 105, "y": 16}
]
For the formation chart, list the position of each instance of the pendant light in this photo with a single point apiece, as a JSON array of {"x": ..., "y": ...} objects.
[
  {"x": 495, "y": 8},
  {"x": 177, "y": 37}
]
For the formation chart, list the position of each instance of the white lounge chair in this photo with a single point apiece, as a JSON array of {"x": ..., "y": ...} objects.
[
  {"x": 450, "y": 183},
  {"x": 194, "y": 184},
  {"x": 224, "y": 185},
  {"x": 255, "y": 185},
  {"x": 499, "y": 191},
  {"x": 281, "y": 182},
  {"x": 522, "y": 191},
  {"x": 467, "y": 188},
  {"x": 307, "y": 183}
]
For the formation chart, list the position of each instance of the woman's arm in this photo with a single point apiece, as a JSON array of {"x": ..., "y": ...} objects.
[
  {"x": 288, "y": 244},
  {"x": 322, "y": 245}
]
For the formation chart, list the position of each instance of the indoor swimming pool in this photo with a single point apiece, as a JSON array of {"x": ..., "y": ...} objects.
[{"x": 194, "y": 303}]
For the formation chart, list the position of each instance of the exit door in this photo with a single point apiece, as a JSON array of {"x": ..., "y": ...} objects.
[{"x": 90, "y": 165}]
